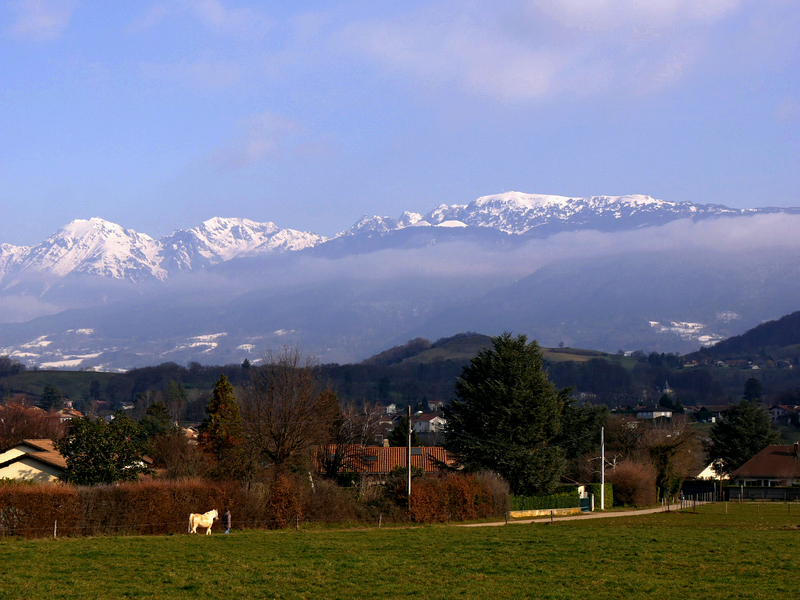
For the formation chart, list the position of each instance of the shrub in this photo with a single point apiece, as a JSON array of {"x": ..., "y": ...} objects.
[
  {"x": 634, "y": 484},
  {"x": 498, "y": 489},
  {"x": 594, "y": 488},
  {"x": 284, "y": 502},
  {"x": 451, "y": 496}
]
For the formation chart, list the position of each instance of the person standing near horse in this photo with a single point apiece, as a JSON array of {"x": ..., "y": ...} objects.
[{"x": 226, "y": 520}]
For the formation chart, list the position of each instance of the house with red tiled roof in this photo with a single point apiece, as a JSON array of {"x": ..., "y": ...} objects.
[
  {"x": 376, "y": 462},
  {"x": 32, "y": 460},
  {"x": 774, "y": 466}
]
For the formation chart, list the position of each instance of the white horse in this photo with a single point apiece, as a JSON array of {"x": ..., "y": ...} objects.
[{"x": 207, "y": 520}]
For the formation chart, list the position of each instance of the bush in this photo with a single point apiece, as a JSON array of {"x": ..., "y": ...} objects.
[
  {"x": 453, "y": 496},
  {"x": 594, "y": 488},
  {"x": 498, "y": 488},
  {"x": 634, "y": 484},
  {"x": 284, "y": 502}
]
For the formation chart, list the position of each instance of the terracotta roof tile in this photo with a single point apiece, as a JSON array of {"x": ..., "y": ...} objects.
[
  {"x": 377, "y": 459},
  {"x": 772, "y": 461}
]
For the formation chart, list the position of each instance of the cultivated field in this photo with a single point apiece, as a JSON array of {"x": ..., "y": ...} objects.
[{"x": 748, "y": 553}]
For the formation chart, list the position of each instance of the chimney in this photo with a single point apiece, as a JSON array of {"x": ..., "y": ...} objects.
[
  {"x": 797, "y": 449},
  {"x": 386, "y": 442}
]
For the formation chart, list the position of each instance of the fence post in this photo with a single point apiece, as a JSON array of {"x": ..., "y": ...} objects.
[
  {"x": 380, "y": 520},
  {"x": 507, "y": 517},
  {"x": 551, "y": 515},
  {"x": 297, "y": 523},
  {"x": 55, "y": 528}
]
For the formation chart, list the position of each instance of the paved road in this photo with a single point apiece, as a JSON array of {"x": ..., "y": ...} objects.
[{"x": 591, "y": 515}]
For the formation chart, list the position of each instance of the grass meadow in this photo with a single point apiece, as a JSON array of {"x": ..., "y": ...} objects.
[{"x": 748, "y": 553}]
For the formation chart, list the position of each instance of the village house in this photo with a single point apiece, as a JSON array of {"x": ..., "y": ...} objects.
[
  {"x": 653, "y": 412},
  {"x": 32, "y": 460},
  {"x": 776, "y": 465},
  {"x": 436, "y": 405},
  {"x": 781, "y": 413},
  {"x": 428, "y": 424}
]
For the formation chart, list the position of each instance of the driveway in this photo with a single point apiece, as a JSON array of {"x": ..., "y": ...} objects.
[{"x": 581, "y": 517}]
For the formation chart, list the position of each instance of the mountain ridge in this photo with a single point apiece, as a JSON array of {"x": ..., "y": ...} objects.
[{"x": 98, "y": 247}]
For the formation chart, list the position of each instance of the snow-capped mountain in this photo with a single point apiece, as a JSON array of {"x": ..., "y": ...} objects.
[
  {"x": 517, "y": 213},
  {"x": 92, "y": 247},
  {"x": 98, "y": 247},
  {"x": 218, "y": 240}
]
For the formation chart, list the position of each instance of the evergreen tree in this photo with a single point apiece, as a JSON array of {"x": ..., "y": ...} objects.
[
  {"x": 398, "y": 437},
  {"x": 156, "y": 421},
  {"x": 177, "y": 399},
  {"x": 51, "y": 398},
  {"x": 221, "y": 430},
  {"x": 666, "y": 402},
  {"x": 506, "y": 414},
  {"x": 752, "y": 390},
  {"x": 742, "y": 431}
]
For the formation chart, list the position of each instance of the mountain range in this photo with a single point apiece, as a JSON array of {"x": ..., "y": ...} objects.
[
  {"x": 98, "y": 247},
  {"x": 603, "y": 272}
]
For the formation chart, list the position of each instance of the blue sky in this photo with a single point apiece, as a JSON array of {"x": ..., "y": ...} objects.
[{"x": 159, "y": 115}]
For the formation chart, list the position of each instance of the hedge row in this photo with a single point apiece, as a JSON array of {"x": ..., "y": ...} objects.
[
  {"x": 570, "y": 500},
  {"x": 163, "y": 507}
]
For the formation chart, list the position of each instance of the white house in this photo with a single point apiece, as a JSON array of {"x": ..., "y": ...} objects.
[
  {"x": 653, "y": 412},
  {"x": 428, "y": 424},
  {"x": 32, "y": 460}
]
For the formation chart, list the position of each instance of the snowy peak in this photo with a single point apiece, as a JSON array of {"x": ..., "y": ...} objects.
[
  {"x": 95, "y": 247},
  {"x": 98, "y": 247},
  {"x": 374, "y": 224},
  {"x": 219, "y": 240}
]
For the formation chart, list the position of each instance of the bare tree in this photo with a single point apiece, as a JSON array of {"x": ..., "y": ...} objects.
[
  {"x": 354, "y": 429},
  {"x": 286, "y": 409},
  {"x": 20, "y": 421}
]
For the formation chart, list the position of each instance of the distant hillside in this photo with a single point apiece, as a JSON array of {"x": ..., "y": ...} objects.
[
  {"x": 458, "y": 348},
  {"x": 462, "y": 347},
  {"x": 780, "y": 338}
]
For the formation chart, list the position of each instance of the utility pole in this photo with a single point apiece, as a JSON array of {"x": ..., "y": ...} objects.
[
  {"x": 408, "y": 464},
  {"x": 602, "y": 469}
]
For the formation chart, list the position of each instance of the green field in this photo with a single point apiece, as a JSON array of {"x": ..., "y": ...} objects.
[
  {"x": 72, "y": 384},
  {"x": 707, "y": 554}
]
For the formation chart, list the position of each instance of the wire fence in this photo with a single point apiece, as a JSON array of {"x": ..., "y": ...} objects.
[{"x": 179, "y": 527}]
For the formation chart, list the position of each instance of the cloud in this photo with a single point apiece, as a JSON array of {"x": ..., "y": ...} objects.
[
  {"x": 258, "y": 137},
  {"x": 543, "y": 49},
  {"x": 41, "y": 20},
  {"x": 616, "y": 14},
  {"x": 214, "y": 15},
  {"x": 198, "y": 73}
]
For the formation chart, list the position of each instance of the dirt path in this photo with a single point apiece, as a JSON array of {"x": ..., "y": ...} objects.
[{"x": 584, "y": 516}]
